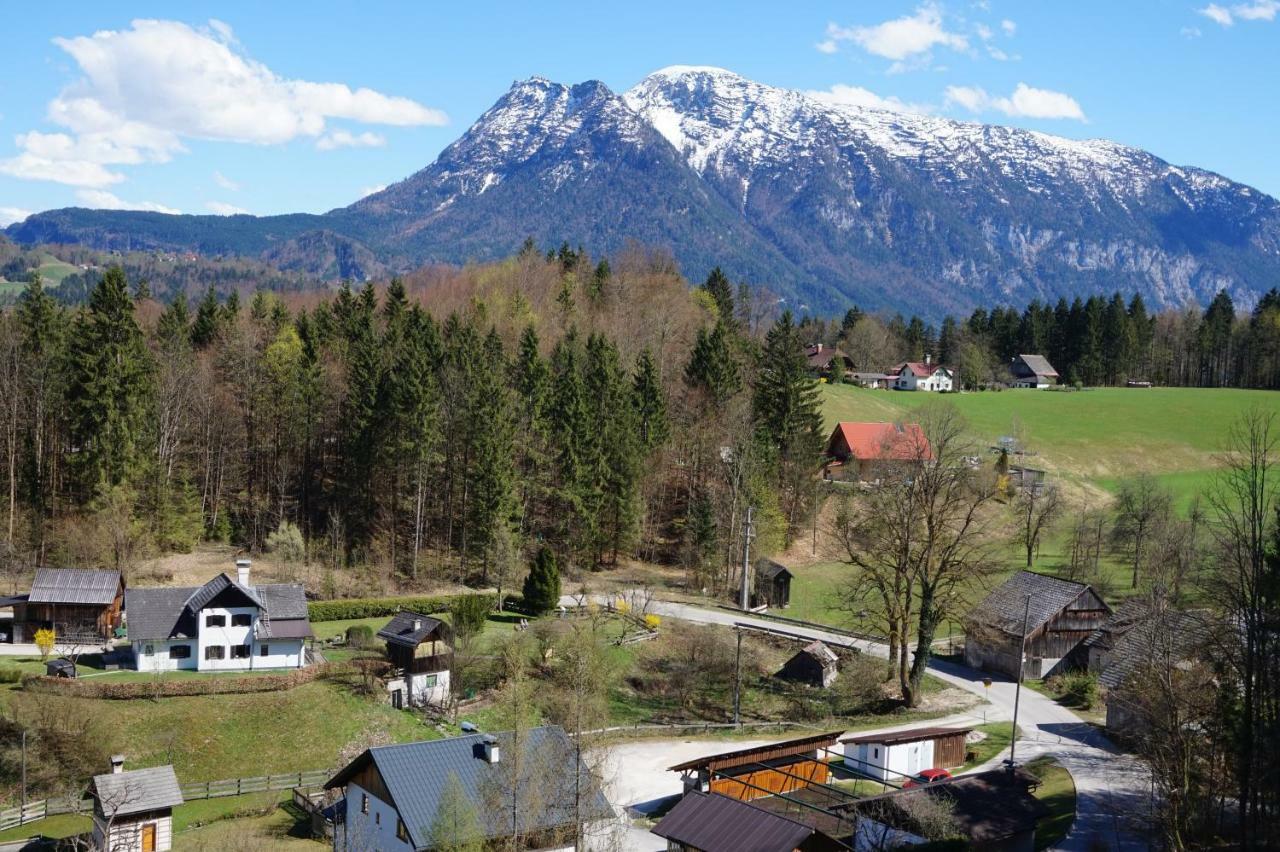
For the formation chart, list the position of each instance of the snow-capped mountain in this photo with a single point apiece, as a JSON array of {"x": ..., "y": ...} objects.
[{"x": 826, "y": 203}]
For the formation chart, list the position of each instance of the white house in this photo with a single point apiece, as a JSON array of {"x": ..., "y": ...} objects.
[
  {"x": 915, "y": 376},
  {"x": 133, "y": 810},
  {"x": 224, "y": 625},
  {"x": 418, "y": 647},
  {"x": 896, "y": 757}
]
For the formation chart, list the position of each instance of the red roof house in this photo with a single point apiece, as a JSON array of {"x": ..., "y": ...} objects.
[{"x": 867, "y": 447}]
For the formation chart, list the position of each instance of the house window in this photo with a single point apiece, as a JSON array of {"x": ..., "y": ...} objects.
[
  {"x": 241, "y": 619},
  {"x": 179, "y": 652},
  {"x": 215, "y": 652},
  {"x": 402, "y": 831},
  {"x": 430, "y": 680},
  {"x": 264, "y": 650},
  {"x": 876, "y": 752},
  {"x": 149, "y": 650},
  {"x": 215, "y": 621},
  {"x": 364, "y": 803},
  {"x": 377, "y": 818},
  {"x": 240, "y": 652}
]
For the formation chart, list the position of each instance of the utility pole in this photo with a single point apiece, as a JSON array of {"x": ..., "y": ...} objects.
[
  {"x": 24, "y": 770},
  {"x": 1017, "y": 690},
  {"x": 747, "y": 535},
  {"x": 737, "y": 684}
]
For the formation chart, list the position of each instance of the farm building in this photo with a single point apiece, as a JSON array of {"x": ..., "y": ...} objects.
[
  {"x": 898, "y": 756},
  {"x": 815, "y": 664},
  {"x": 992, "y": 810},
  {"x": 828, "y": 361},
  {"x": 1062, "y": 615},
  {"x": 224, "y": 625},
  {"x": 392, "y": 793},
  {"x": 927, "y": 376},
  {"x": 773, "y": 584},
  {"x": 869, "y": 451},
  {"x": 417, "y": 645},
  {"x": 752, "y": 773},
  {"x": 80, "y": 605},
  {"x": 1159, "y": 639},
  {"x": 878, "y": 381},
  {"x": 1101, "y": 644},
  {"x": 1032, "y": 371},
  {"x": 702, "y": 822},
  {"x": 133, "y": 809}
]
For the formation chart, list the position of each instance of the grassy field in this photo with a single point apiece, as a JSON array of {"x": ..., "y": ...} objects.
[
  {"x": 1058, "y": 793},
  {"x": 1093, "y": 437}
]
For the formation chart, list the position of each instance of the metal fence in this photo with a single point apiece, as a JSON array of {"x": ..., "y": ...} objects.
[{"x": 193, "y": 791}]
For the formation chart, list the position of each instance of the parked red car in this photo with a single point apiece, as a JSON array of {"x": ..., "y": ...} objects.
[{"x": 927, "y": 777}]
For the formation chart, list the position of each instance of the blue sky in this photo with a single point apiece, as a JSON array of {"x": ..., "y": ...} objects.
[{"x": 267, "y": 108}]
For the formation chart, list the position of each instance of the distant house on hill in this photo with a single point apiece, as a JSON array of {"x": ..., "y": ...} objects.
[
  {"x": 1033, "y": 371},
  {"x": 828, "y": 361},
  {"x": 869, "y": 450},
  {"x": 224, "y": 625},
  {"x": 79, "y": 605},
  {"x": 926, "y": 376},
  {"x": 815, "y": 664},
  {"x": 877, "y": 381},
  {"x": 1062, "y": 615}
]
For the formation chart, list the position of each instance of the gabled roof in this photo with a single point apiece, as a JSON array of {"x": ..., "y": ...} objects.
[
  {"x": 914, "y": 735},
  {"x": 136, "y": 791},
  {"x": 169, "y": 612},
  {"x": 819, "y": 652},
  {"x": 1034, "y": 365},
  {"x": 717, "y": 823},
  {"x": 1003, "y": 609},
  {"x": 883, "y": 441},
  {"x": 918, "y": 369},
  {"x": 400, "y": 629},
  {"x": 770, "y": 569},
  {"x": 74, "y": 586},
  {"x": 1164, "y": 634},
  {"x": 756, "y": 754},
  {"x": 1122, "y": 620},
  {"x": 417, "y": 774}
]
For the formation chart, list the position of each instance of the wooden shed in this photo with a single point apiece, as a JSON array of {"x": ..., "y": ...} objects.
[
  {"x": 1062, "y": 615},
  {"x": 814, "y": 664},
  {"x": 773, "y": 584},
  {"x": 80, "y": 605},
  {"x": 897, "y": 756},
  {"x": 751, "y": 773}
]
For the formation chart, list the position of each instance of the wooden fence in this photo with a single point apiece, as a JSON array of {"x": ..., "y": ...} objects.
[{"x": 193, "y": 791}]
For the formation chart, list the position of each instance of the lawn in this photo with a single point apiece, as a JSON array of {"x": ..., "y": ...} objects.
[{"x": 1058, "y": 792}]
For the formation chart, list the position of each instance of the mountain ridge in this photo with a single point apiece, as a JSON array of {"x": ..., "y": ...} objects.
[{"x": 825, "y": 203}]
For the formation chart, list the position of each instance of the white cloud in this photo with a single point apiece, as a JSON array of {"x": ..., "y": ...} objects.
[
  {"x": 1008, "y": 26},
  {"x": 370, "y": 190},
  {"x": 1258, "y": 10},
  {"x": 844, "y": 95},
  {"x": 902, "y": 38},
  {"x": 1026, "y": 102},
  {"x": 222, "y": 208},
  {"x": 1191, "y": 32},
  {"x": 102, "y": 200},
  {"x": 10, "y": 215},
  {"x": 225, "y": 182},
  {"x": 145, "y": 89},
  {"x": 826, "y": 46},
  {"x": 984, "y": 32},
  {"x": 347, "y": 139}
]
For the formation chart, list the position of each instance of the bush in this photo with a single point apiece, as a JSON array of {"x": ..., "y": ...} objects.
[
  {"x": 286, "y": 543},
  {"x": 1079, "y": 689},
  {"x": 360, "y": 636},
  {"x": 9, "y": 675},
  {"x": 653, "y": 622},
  {"x": 468, "y": 614},
  {"x": 350, "y": 609},
  {"x": 542, "y": 586},
  {"x": 45, "y": 641}
]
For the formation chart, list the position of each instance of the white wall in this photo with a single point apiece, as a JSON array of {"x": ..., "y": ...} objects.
[
  {"x": 159, "y": 660},
  {"x": 889, "y": 763},
  {"x": 227, "y": 636},
  {"x": 283, "y": 653},
  {"x": 374, "y": 830},
  {"x": 127, "y": 836}
]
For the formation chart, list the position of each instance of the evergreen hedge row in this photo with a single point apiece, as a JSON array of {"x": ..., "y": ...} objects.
[{"x": 349, "y": 608}]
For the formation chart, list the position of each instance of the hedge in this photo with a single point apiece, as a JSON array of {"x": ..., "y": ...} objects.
[
  {"x": 352, "y": 608},
  {"x": 172, "y": 688}
]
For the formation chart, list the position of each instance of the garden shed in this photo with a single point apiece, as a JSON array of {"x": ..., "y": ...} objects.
[
  {"x": 773, "y": 584},
  {"x": 815, "y": 664}
]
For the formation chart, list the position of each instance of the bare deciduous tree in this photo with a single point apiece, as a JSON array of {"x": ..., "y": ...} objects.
[{"x": 1142, "y": 507}]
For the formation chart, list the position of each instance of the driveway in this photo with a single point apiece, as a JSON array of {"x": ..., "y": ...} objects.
[{"x": 1113, "y": 789}]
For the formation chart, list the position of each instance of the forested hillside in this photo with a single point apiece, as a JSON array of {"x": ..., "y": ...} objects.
[{"x": 435, "y": 427}]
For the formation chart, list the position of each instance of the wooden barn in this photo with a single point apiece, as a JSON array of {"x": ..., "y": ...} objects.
[
  {"x": 815, "y": 664},
  {"x": 773, "y": 584},
  {"x": 418, "y": 648},
  {"x": 80, "y": 605},
  {"x": 1063, "y": 614},
  {"x": 752, "y": 773}
]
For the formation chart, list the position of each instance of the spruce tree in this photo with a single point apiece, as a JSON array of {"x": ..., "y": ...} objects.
[
  {"x": 542, "y": 585},
  {"x": 43, "y": 326},
  {"x": 207, "y": 322},
  {"x": 650, "y": 404},
  {"x": 717, "y": 284},
  {"x": 712, "y": 367},
  {"x": 491, "y": 502}
]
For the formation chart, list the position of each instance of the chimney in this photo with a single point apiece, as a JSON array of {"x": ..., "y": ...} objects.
[
  {"x": 490, "y": 748},
  {"x": 117, "y": 764},
  {"x": 417, "y": 625},
  {"x": 242, "y": 571},
  {"x": 927, "y": 359}
]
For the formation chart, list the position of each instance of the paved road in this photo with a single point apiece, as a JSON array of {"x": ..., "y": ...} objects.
[{"x": 1112, "y": 788}]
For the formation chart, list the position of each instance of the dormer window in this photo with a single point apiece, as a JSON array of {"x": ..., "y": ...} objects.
[
  {"x": 215, "y": 621},
  {"x": 241, "y": 619}
]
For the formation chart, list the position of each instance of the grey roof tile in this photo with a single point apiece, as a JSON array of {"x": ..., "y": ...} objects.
[
  {"x": 400, "y": 629},
  {"x": 1171, "y": 634},
  {"x": 74, "y": 586},
  {"x": 137, "y": 790},
  {"x": 1004, "y": 607},
  {"x": 167, "y": 611}
]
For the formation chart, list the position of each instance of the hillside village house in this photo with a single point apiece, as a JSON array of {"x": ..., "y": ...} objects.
[
  {"x": 1032, "y": 371},
  {"x": 417, "y": 646},
  {"x": 869, "y": 451},
  {"x": 133, "y": 809},
  {"x": 895, "y": 757},
  {"x": 80, "y": 605},
  {"x": 828, "y": 362},
  {"x": 927, "y": 376},
  {"x": 1063, "y": 614},
  {"x": 392, "y": 793},
  {"x": 224, "y": 625}
]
